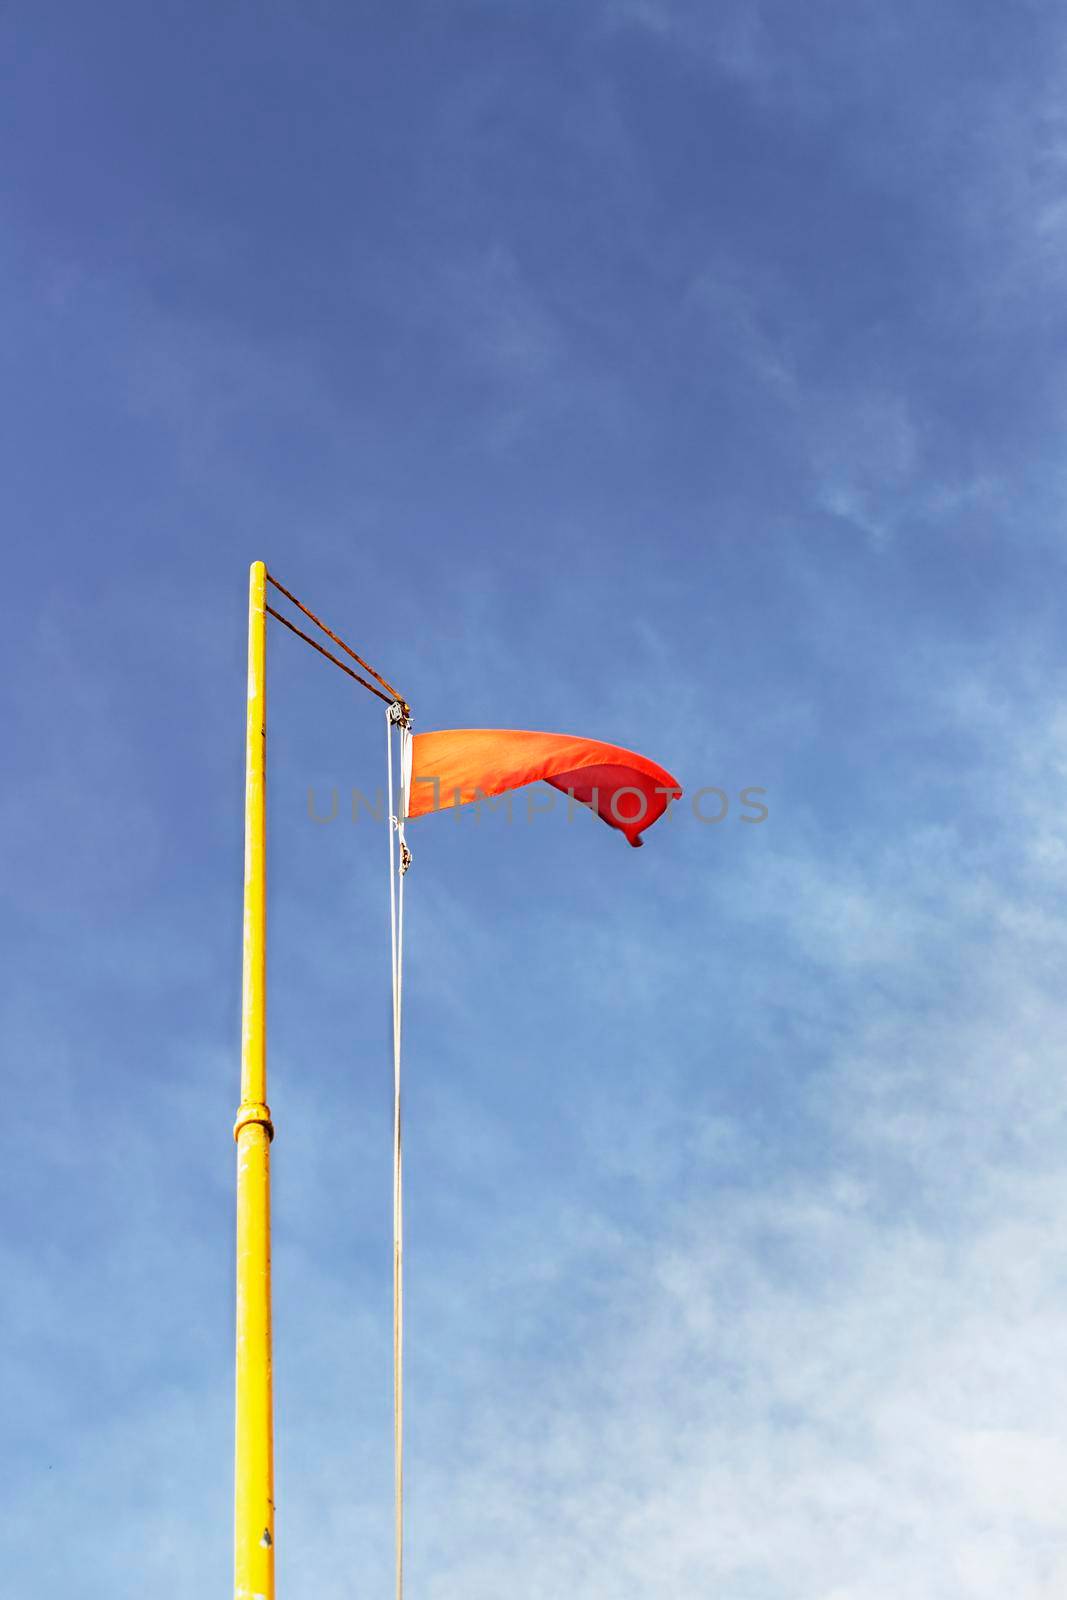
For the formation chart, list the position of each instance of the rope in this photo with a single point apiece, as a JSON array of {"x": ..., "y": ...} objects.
[{"x": 399, "y": 861}]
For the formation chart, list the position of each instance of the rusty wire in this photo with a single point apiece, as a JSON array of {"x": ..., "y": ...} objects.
[
  {"x": 324, "y": 652},
  {"x": 394, "y": 695}
]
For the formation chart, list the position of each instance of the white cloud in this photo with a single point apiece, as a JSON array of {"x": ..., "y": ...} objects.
[{"x": 757, "y": 1373}]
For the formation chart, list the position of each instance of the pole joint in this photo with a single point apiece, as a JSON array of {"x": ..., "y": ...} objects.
[{"x": 253, "y": 1111}]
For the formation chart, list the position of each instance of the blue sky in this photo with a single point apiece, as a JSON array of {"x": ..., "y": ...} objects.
[{"x": 686, "y": 376}]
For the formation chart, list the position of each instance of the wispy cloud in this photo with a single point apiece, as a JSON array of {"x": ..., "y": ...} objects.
[{"x": 679, "y": 374}]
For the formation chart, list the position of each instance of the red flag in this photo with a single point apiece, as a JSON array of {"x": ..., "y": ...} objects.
[{"x": 459, "y": 765}]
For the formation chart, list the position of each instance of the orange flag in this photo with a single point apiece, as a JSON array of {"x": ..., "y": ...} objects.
[{"x": 459, "y": 765}]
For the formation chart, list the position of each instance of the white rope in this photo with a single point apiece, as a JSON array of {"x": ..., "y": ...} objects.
[{"x": 399, "y": 861}]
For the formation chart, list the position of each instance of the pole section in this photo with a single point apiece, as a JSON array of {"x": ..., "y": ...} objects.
[{"x": 253, "y": 1131}]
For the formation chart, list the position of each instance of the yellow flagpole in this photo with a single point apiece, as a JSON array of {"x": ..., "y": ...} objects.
[{"x": 254, "y": 1431}]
